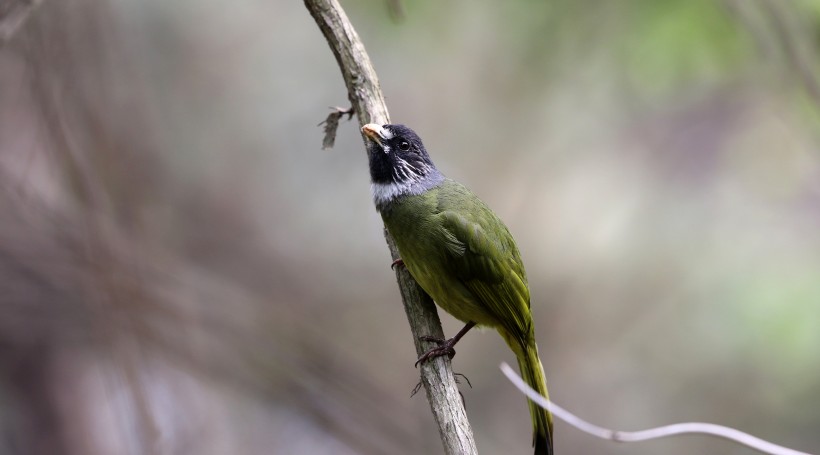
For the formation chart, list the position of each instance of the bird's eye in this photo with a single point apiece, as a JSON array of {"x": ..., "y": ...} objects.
[{"x": 404, "y": 146}]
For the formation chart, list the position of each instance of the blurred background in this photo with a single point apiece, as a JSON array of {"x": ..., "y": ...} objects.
[{"x": 183, "y": 270}]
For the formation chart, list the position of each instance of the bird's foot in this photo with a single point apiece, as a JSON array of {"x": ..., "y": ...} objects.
[
  {"x": 445, "y": 347},
  {"x": 455, "y": 376},
  {"x": 415, "y": 389},
  {"x": 396, "y": 263}
]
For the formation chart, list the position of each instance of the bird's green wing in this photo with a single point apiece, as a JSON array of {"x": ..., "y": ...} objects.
[{"x": 482, "y": 254}]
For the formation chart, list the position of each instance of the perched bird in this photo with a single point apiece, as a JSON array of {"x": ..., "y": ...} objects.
[{"x": 459, "y": 251}]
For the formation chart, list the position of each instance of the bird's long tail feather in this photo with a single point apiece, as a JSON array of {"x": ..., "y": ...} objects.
[{"x": 533, "y": 373}]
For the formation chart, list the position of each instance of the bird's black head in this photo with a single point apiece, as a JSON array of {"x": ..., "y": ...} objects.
[
  {"x": 396, "y": 155},
  {"x": 399, "y": 164}
]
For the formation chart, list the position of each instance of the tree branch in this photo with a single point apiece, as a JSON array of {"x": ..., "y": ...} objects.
[{"x": 368, "y": 103}]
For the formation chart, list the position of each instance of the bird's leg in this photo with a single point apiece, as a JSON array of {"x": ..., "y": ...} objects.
[
  {"x": 445, "y": 347},
  {"x": 397, "y": 262}
]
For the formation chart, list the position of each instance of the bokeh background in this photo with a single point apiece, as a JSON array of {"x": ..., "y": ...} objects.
[{"x": 183, "y": 270}]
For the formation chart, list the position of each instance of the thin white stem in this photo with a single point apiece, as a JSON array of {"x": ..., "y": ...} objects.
[{"x": 652, "y": 433}]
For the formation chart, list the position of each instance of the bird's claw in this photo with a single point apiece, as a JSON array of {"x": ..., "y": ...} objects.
[
  {"x": 397, "y": 262},
  {"x": 455, "y": 376},
  {"x": 416, "y": 389},
  {"x": 445, "y": 347}
]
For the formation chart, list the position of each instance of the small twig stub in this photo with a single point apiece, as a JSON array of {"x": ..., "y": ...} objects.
[{"x": 331, "y": 124}]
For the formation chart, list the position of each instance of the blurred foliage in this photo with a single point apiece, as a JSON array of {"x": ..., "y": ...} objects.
[{"x": 183, "y": 270}]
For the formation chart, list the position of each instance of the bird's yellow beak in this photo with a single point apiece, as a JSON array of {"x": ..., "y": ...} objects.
[{"x": 375, "y": 132}]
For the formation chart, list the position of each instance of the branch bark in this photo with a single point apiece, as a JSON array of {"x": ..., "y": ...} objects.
[{"x": 368, "y": 103}]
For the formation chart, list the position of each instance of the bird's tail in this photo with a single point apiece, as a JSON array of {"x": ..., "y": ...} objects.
[{"x": 533, "y": 374}]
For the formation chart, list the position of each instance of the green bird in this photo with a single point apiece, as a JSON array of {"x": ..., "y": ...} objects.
[{"x": 459, "y": 251}]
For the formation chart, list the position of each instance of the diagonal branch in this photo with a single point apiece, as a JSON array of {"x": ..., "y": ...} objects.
[{"x": 368, "y": 103}]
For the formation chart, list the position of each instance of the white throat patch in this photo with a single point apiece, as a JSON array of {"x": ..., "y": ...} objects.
[{"x": 384, "y": 193}]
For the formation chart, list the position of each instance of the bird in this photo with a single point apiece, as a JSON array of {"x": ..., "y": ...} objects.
[{"x": 459, "y": 251}]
